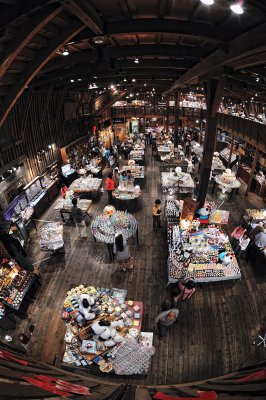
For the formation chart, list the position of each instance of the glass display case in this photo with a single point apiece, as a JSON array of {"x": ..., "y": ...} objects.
[{"x": 36, "y": 196}]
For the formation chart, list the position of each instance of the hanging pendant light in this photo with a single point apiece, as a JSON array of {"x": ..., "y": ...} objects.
[
  {"x": 207, "y": 2},
  {"x": 65, "y": 51},
  {"x": 237, "y": 7}
]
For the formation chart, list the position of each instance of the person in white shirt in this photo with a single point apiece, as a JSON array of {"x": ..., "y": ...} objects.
[{"x": 242, "y": 245}]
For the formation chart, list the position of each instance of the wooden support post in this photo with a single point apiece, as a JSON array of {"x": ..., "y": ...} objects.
[
  {"x": 214, "y": 94},
  {"x": 177, "y": 114},
  {"x": 231, "y": 151},
  {"x": 254, "y": 164},
  {"x": 167, "y": 115}
]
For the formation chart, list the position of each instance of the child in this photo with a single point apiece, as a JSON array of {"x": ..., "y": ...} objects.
[{"x": 156, "y": 214}]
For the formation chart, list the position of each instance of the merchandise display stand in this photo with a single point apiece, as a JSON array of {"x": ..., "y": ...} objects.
[
  {"x": 118, "y": 346},
  {"x": 104, "y": 228}
]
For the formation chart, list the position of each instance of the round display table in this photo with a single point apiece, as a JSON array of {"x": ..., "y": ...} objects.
[{"x": 104, "y": 228}]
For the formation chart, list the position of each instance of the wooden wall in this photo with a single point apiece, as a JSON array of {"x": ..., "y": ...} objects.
[{"x": 34, "y": 124}]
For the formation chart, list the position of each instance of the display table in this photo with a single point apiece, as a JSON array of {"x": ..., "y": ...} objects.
[
  {"x": 195, "y": 255},
  {"x": 226, "y": 187},
  {"x": 137, "y": 171},
  {"x": 51, "y": 237},
  {"x": 64, "y": 206},
  {"x": 86, "y": 185},
  {"x": 118, "y": 346},
  {"x": 137, "y": 155},
  {"x": 181, "y": 183},
  {"x": 126, "y": 196},
  {"x": 104, "y": 228}
]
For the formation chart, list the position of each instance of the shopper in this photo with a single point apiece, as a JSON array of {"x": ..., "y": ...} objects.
[
  {"x": 130, "y": 177},
  {"x": 110, "y": 186},
  {"x": 123, "y": 176},
  {"x": 156, "y": 214},
  {"x": 79, "y": 218},
  {"x": 165, "y": 319},
  {"x": 63, "y": 191},
  {"x": 122, "y": 253},
  {"x": 242, "y": 246},
  {"x": 187, "y": 289},
  {"x": 196, "y": 187},
  {"x": 174, "y": 300},
  {"x": 116, "y": 177}
]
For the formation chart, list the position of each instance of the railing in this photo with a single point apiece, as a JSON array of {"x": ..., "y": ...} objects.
[
  {"x": 250, "y": 131},
  {"x": 141, "y": 111}
]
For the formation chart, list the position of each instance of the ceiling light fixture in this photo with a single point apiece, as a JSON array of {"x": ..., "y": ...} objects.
[
  {"x": 133, "y": 80},
  {"x": 98, "y": 40},
  {"x": 136, "y": 61},
  {"x": 237, "y": 7},
  {"x": 72, "y": 80},
  {"x": 65, "y": 51},
  {"x": 207, "y": 2},
  {"x": 125, "y": 79}
]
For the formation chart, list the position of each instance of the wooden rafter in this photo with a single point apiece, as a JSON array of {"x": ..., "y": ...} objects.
[
  {"x": 238, "y": 50},
  {"x": 44, "y": 56},
  {"x": 24, "y": 37},
  {"x": 86, "y": 13}
]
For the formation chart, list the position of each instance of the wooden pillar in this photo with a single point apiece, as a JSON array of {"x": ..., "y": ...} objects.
[
  {"x": 177, "y": 113},
  {"x": 254, "y": 164},
  {"x": 231, "y": 151},
  {"x": 213, "y": 96},
  {"x": 167, "y": 114}
]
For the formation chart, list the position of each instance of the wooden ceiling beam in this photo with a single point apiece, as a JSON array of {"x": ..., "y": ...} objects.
[
  {"x": 99, "y": 66},
  {"x": 248, "y": 62},
  {"x": 86, "y": 13},
  {"x": 238, "y": 50},
  {"x": 36, "y": 65},
  {"x": 124, "y": 8},
  {"x": 184, "y": 28},
  {"x": 170, "y": 73},
  {"x": 140, "y": 50}
]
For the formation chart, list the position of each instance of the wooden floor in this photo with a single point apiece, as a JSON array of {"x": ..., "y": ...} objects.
[{"x": 216, "y": 327}]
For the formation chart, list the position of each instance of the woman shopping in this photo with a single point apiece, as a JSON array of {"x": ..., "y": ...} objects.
[{"x": 122, "y": 253}]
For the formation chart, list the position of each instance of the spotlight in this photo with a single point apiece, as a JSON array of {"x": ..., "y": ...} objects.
[
  {"x": 65, "y": 51},
  {"x": 125, "y": 79},
  {"x": 133, "y": 80},
  {"x": 257, "y": 79},
  {"x": 79, "y": 79},
  {"x": 256, "y": 94},
  {"x": 207, "y": 2},
  {"x": 136, "y": 61},
  {"x": 237, "y": 7},
  {"x": 72, "y": 80}
]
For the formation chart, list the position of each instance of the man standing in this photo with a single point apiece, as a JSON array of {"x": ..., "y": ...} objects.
[
  {"x": 166, "y": 319},
  {"x": 78, "y": 217}
]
